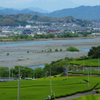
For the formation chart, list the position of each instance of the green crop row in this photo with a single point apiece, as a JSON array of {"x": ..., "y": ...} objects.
[
  {"x": 90, "y": 72},
  {"x": 87, "y": 62},
  {"x": 40, "y": 89}
]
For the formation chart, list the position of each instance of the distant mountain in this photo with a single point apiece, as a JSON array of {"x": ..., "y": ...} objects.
[
  {"x": 38, "y": 10},
  {"x": 1, "y": 8},
  {"x": 82, "y": 12},
  {"x": 35, "y": 9},
  {"x": 10, "y": 11}
]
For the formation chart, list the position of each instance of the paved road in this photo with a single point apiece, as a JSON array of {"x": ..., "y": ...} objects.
[{"x": 76, "y": 95}]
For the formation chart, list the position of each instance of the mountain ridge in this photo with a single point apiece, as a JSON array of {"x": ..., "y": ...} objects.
[
  {"x": 81, "y": 12},
  {"x": 21, "y": 19}
]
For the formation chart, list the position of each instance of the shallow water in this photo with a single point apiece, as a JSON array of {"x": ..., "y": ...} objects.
[
  {"x": 42, "y": 66},
  {"x": 21, "y": 43}
]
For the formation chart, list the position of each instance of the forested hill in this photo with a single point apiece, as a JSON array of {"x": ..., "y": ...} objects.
[
  {"x": 82, "y": 12},
  {"x": 21, "y": 19}
]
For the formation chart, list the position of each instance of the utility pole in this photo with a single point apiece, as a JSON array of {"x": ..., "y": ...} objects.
[
  {"x": 83, "y": 63},
  {"x": 18, "y": 83},
  {"x": 88, "y": 79},
  {"x": 51, "y": 92},
  {"x": 91, "y": 69},
  {"x": 98, "y": 65},
  {"x": 9, "y": 69},
  {"x": 67, "y": 71},
  {"x": 50, "y": 83}
]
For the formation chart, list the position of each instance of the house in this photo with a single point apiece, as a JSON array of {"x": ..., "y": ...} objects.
[
  {"x": 54, "y": 31},
  {"x": 27, "y": 32},
  {"x": 96, "y": 34}
]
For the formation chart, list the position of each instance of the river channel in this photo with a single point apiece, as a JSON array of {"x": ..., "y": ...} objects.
[{"x": 21, "y": 43}]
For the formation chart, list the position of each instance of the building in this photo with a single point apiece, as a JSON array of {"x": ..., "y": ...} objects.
[
  {"x": 96, "y": 34},
  {"x": 27, "y": 32}
]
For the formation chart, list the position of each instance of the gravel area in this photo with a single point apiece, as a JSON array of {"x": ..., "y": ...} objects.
[{"x": 18, "y": 55}]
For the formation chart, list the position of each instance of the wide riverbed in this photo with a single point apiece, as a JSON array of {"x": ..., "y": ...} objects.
[{"x": 29, "y": 53}]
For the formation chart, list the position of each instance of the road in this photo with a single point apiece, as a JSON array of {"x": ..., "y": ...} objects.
[{"x": 76, "y": 95}]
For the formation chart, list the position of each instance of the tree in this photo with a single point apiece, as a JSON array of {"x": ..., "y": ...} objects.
[
  {"x": 25, "y": 71},
  {"x": 84, "y": 34},
  {"x": 38, "y": 72},
  {"x": 56, "y": 67},
  {"x": 4, "y": 71},
  {"x": 94, "y": 52}
]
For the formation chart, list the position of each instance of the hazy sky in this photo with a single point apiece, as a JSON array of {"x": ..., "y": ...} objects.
[{"x": 49, "y": 5}]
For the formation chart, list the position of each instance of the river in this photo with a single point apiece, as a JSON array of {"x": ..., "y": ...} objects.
[{"x": 22, "y": 43}]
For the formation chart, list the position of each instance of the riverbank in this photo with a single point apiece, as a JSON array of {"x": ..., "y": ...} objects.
[
  {"x": 7, "y": 39},
  {"x": 31, "y": 53}
]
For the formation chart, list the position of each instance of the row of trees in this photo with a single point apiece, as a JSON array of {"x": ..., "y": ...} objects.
[
  {"x": 44, "y": 36},
  {"x": 37, "y": 72},
  {"x": 65, "y": 35},
  {"x": 22, "y": 37},
  {"x": 49, "y": 35},
  {"x": 25, "y": 72}
]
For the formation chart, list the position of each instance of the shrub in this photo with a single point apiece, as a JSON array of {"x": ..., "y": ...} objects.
[
  {"x": 72, "y": 49},
  {"x": 50, "y": 50},
  {"x": 27, "y": 51},
  {"x": 60, "y": 49},
  {"x": 56, "y": 50},
  {"x": 7, "y": 54},
  {"x": 82, "y": 58}
]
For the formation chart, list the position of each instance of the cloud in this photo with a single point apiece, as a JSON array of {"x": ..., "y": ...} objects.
[
  {"x": 14, "y": 3},
  {"x": 87, "y": 2},
  {"x": 49, "y": 5},
  {"x": 18, "y": 1}
]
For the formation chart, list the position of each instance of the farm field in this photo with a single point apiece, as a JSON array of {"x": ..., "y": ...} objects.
[
  {"x": 87, "y": 62},
  {"x": 39, "y": 89}
]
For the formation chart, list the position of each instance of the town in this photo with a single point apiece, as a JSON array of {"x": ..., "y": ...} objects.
[{"x": 56, "y": 28}]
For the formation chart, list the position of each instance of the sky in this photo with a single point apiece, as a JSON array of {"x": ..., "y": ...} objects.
[{"x": 49, "y": 5}]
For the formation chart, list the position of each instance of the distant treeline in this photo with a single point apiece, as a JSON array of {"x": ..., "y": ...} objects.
[{"x": 49, "y": 35}]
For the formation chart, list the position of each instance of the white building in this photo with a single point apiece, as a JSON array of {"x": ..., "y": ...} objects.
[
  {"x": 28, "y": 26},
  {"x": 96, "y": 34}
]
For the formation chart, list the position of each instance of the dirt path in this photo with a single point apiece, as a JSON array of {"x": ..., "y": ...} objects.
[{"x": 76, "y": 95}]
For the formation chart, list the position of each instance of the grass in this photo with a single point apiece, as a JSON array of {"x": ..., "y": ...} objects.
[
  {"x": 88, "y": 97},
  {"x": 39, "y": 89},
  {"x": 86, "y": 63},
  {"x": 86, "y": 72}
]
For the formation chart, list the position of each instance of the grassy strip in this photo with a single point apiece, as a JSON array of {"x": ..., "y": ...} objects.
[
  {"x": 40, "y": 89},
  {"x": 86, "y": 72}
]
